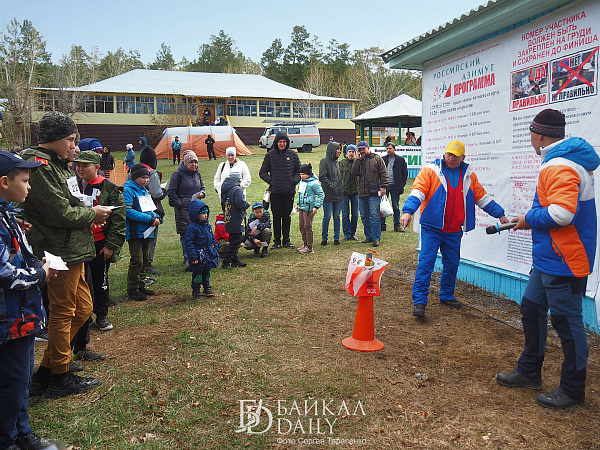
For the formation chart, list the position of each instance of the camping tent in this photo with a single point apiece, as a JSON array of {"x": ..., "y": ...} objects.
[{"x": 192, "y": 138}]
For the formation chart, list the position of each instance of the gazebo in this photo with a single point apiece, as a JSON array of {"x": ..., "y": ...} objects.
[{"x": 402, "y": 112}]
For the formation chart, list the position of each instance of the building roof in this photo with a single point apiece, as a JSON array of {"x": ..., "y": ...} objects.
[
  {"x": 389, "y": 114},
  {"x": 481, "y": 23},
  {"x": 199, "y": 84}
]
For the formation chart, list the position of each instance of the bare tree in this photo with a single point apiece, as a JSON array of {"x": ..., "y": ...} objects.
[{"x": 22, "y": 51}]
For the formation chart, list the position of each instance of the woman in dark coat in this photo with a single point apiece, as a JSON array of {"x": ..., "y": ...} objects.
[{"x": 185, "y": 185}]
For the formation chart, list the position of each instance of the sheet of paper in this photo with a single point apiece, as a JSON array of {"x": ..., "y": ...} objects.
[
  {"x": 114, "y": 206},
  {"x": 56, "y": 262},
  {"x": 146, "y": 203},
  {"x": 164, "y": 185},
  {"x": 148, "y": 232}
]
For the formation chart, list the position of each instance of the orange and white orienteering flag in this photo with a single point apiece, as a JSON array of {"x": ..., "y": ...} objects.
[{"x": 364, "y": 280}]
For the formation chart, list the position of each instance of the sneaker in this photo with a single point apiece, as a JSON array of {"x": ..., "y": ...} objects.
[
  {"x": 347, "y": 238},
  {"x": 226, "y": 266},
  {"x": 288, "y": 245},
  {"x": 515, "y": 379},
  {"x": 71, "y": 384},
  {"x": 103, "y": 324},
  {"x": 149, "y": 280},
  {"x": 238, "y": 264},
  {"x": 300, "y": 248},
  {"x": 208, "y": 292},
  {"x": 306, "y": 250},
  {"x": 558, "y": 399},
  {"x": 42, "y": 335},
  {"x": 336, "y": 242},
  {"x": 366, "y": 241},
  {"x": 353, "y": 238},
  {"x": 152, "y": 270},
  {"x": 75, "y": 367},
  {"x": 398, "y": 229},
  {"x": 264, "y": 253},
  {"x": 452, "y": 304},
  {"x": 257, "y": 251},
  {"x": 196, "y": 294},
  {"x": 137, "y": 296},
  {"x": 375, "y": 243},
  {"x": 419, "y": 310},
  {"x": 39, "y": 384},
  {"x": 275, "y": 246},
  {"x": 323, "y": 242},
  {"x": 32, "y": 441},
  {"x": 144, "y": 290},
  {"x": 88, "y": 355}
]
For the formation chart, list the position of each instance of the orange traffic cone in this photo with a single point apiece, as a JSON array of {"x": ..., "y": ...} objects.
[{"x": 363, "y": 335}]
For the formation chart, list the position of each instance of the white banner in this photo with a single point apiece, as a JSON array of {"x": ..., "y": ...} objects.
[
  {"x": 486, "y": 96},
  {"x": 411, "y": 154}
]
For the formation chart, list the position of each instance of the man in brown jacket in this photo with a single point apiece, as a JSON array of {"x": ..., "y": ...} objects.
[{"x": 373, "y": 180}]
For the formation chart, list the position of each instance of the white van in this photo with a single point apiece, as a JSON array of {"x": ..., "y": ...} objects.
[{"x": 302, "y": 136}]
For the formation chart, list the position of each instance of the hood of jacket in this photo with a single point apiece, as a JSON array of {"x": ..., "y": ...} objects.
[
  {"x": 279, "y": 136},
  {"x": 186, "y": 170},
  {"x": 331, "y": 152},
  {"x": 574, "y": 149},
  {"x": 148, "y": 157},
  {"x": 144, "y": 141},
  {"x": 228, "y": 184},
  {"x": 195, "y": 207}
]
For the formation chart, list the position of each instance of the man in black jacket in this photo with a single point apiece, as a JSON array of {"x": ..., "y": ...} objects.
[
  {"x": 397, "y": 175},
  {"x": 281, "y": 171}
]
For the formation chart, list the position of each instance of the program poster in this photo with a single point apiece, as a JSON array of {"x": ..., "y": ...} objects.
[{"x": 486, "y": 96}]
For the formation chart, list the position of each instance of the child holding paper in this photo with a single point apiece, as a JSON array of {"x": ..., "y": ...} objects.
[
  {"x": 141, "y": 221},
  {"x": 21, "y": 275}
]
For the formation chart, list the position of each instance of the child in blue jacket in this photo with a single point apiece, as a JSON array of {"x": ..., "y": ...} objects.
[
  {"x": 201, "y": 247},
  {"x": 141, "y": 215},
  {"x": 21, "y": 311},
  {"x": 310, "y": 199}
]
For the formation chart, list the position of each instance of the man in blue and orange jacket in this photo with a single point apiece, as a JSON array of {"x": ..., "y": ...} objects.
[
  {"x": 447, "y": 191},
  {"x": 563, "y": 227}
]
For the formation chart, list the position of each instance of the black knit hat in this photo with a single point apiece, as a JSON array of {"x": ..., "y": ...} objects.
[
  {"x": 306, "y": 168},
  {"x": 54, "y": 126},
  {"x": 549, "y": 122},
  {"x": 138, "y": 170}
]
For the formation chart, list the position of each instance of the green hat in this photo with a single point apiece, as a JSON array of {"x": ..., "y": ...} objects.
[{"x": 88, "y": 157}]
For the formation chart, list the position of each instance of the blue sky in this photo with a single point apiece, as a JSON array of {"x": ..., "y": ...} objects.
[{"x": 185, "y": 25}]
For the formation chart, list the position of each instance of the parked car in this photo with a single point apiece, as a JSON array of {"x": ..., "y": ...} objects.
[{"x": 303, "y": 136}]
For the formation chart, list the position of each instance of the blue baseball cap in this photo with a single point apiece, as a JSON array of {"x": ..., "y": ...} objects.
[
  {"x": 362, "y": 144},
  {"x": 10, "y": 161},
  {"x": 257, "y": 205}
]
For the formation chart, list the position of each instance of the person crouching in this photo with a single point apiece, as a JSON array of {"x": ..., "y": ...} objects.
[{"x": 258, "y": 231}]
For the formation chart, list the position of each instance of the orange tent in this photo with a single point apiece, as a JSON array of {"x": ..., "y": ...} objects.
[{"x": 192, "y": 138}]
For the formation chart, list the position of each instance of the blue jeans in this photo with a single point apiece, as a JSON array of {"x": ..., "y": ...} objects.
[
  {"x": 563, "y": 296},
  {"x": 16, "y": 368},
  {"x": 370, "y": 217},
  {"x": 350, "y": 214},
  {"x": 433, "y": 239},
  {"x": 182, "y": 241},
  {"x": 328, "y": 208},
  {"x": 395, "y": 199}
]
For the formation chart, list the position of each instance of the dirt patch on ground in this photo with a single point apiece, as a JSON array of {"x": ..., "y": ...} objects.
[{"x": 432, "y": 386}]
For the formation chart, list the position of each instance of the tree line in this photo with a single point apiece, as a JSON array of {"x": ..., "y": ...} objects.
[{"x": 304, "y": 63}]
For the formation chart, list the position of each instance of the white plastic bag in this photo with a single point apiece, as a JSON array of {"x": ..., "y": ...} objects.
[{"x": 385, "y": 207}]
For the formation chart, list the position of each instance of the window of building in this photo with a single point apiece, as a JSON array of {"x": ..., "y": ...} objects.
[
  {"x": 283, "y": 109},
  {"x": 331, "y": 110},
  {"x": 165, "y": 105},
  {"x": 266, "y": 108},
  {"x": 304, "y": 110},
  {"x": 46, "y": 101},
  {"x": 144, "y": 105},
  {"x": 186, "y": 106},
  {"x": 125, "y": 104},
  {"x": 84, "y": 103},
  {"x": 237, "y": 107},
  {"x": 220, "y": 108},
  {"x": 345, "y": 111},
  {"x": 105, "y": 104}
]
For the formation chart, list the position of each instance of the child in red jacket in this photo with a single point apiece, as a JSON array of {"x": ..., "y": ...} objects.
[{"x": 221, "y": 236}]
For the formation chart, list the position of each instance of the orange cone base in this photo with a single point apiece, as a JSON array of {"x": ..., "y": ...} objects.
[{"x": 362, "y": 346}]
